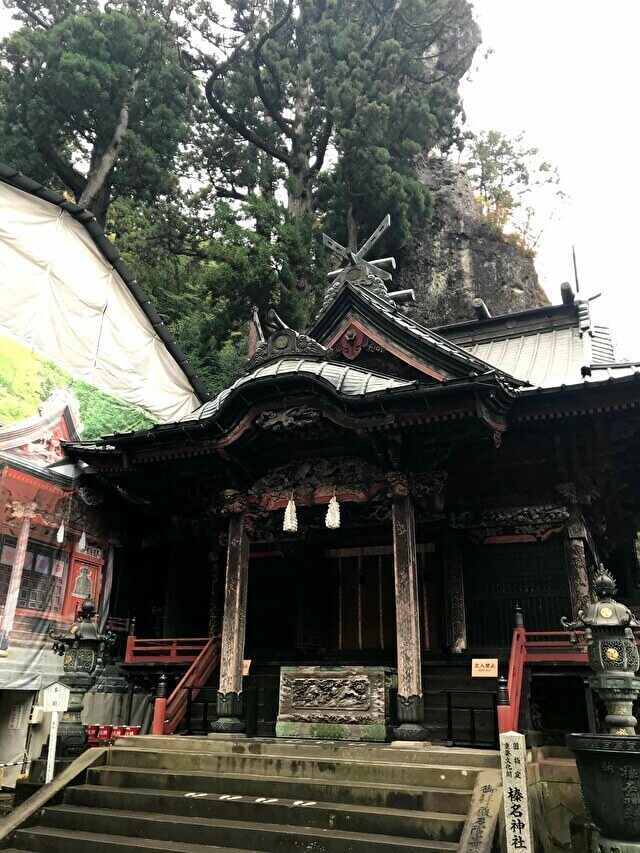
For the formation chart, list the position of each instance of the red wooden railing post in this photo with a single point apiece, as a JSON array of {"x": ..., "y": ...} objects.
[
  {"x": 160, "y": 707},
  {"x": 514, "y": 681},
  {"x": 128, "y": 652}
]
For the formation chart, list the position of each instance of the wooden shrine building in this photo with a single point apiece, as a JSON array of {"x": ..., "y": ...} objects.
[{"x": 475, "y": 468}]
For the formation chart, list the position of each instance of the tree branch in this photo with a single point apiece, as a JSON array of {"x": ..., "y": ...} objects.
[
  {"x": 323, "y": 143},
  {"x": 269, "y": 106},
  {"x": 24, "y": 8},
  {"x": 240, "y": 127},
  {"x": 221, "y": 111},
  {"x": 105, "y": 162}
]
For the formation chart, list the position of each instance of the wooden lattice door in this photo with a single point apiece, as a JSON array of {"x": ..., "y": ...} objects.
[{"x": 498, "y": 577}]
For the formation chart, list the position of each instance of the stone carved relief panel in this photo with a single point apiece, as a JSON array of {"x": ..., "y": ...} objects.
[{"x": 354, "y": 695}]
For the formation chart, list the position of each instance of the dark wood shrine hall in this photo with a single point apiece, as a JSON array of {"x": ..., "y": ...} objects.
[{"x": 476, "y": 467}]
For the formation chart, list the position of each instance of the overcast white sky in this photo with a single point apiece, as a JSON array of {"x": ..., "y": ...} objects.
[{"x": 566, "y": 73}]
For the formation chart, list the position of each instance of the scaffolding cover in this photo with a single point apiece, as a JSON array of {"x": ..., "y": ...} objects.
[{"x": 60, "y": 295}]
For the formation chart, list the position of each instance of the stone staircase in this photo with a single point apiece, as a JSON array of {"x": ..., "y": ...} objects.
[{"x": 199, "y": 794}]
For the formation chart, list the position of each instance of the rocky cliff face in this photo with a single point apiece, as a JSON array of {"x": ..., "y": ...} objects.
[{"x": 457, "y": 258}]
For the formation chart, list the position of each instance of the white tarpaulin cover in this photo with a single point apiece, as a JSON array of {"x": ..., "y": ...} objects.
[{"x": 60, "y": 295}]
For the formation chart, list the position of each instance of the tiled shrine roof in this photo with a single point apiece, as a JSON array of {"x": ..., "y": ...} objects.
[{"x": 342, "y": 378}]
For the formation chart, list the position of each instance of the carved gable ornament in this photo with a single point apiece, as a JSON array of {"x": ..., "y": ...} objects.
[
  {"x": 284, "y": 341},
  {"x": 353, "y": 342}
]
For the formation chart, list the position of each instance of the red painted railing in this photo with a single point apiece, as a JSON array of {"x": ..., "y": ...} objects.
[
  {"x": 168, "y": 651},
  {"x": 168, "y": 713},
  {"x": 536, "y": 647}
]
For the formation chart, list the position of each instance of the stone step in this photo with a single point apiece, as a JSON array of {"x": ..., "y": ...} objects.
[
  {"x": 308, "y": 813},
  {"x": 291, "y": 766},
  {"x": 45, "y": 839},
  {"x": 388, "y": 795},
  {"x": 244, "y": 834},
  {"x": 411, "y": 753}
]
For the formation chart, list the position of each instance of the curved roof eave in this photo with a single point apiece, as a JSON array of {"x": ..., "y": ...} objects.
[{"x": 16, "y": 179}]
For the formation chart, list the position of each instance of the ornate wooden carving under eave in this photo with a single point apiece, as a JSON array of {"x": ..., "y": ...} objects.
[
  {"x": 230, "y": 502},
  {"x": 315, "y": 480},
  {"x": 294, "y": 417},
  {"x": 532, "y": 522},
  {"x": 426, "y": 487},
  {"x": 578, "y": 493}
]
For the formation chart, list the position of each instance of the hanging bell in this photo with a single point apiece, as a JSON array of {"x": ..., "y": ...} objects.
[
  {"x": 290, "y": 524},
  {"x": 332, "y": 519},
  {"x": 82, "y": 544},
  {"x": 60, "y": 534}
]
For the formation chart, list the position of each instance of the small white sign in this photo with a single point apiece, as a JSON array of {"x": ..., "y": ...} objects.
[
  {"x": 56, "y": 697},
  {"x": 484, "y": 668},
  {"x": 513, "y": 759}
]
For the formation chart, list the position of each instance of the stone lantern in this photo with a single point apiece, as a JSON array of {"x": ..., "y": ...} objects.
[
  {"x": 613, "y": 653},
  {"x": 84, "y": 650},
  {"x": 609, "y": 764}
]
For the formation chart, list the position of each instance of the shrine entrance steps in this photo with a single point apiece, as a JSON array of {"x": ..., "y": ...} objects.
[{"x": 200, "y": 794}]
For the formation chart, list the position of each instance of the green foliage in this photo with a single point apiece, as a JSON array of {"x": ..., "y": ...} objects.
[
  {"x": 205, "y": 276},
  {"x": 26, "y": 380},
  {"x": 373, "y": 84},
  {"x": 317, "y": 114},
  {"x": 71, "y": 76},
  {"x": 505, "y": 172},
  {"x": 101, "y": 414}
]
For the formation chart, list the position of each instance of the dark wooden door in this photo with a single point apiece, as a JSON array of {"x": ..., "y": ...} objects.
[
  {"x": 364, "y": 615},
  {"x": 498, "y": 577}
]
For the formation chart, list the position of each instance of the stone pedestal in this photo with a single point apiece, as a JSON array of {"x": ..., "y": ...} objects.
[
  {"x": 336, "y": 703},
  {"x": 72, "y": 736}
]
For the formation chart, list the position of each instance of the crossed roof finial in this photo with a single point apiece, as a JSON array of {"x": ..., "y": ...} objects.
[{"x": 356, "y": 260}]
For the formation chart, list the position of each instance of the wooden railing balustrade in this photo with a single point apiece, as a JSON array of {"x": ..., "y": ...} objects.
[
  {"x": 164, "y": 651},
  {"x": 203, "y": 655},
  {"x": 537, "y": 647}
]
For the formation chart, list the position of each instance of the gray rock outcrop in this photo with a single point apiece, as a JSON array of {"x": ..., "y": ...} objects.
[{"x": 458, "y": 257}]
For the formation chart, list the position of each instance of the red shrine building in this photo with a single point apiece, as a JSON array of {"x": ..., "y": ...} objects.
[
  {"x": 45, "y": 570},
  {"x": 368, "y": 511}
]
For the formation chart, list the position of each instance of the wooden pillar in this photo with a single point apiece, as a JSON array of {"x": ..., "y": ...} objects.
[
  {"x": 23, "y": 512},
  {"x": 215, "y": 602},
  {"x": 410, "y": 699},
  {"x": 233, "y": 629},
  {"x": 454, "y": 591},
  {"x": 577, "y": 574},
  {"x": 578, "y": 577}
]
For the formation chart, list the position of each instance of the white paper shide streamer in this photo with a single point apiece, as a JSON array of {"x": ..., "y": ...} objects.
[
  {"x": 60, "y": 534},
  {"x": 290, "y": 524},
  {"x": 332, "y": 520},
  {"x": 82, "y": 544}
]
